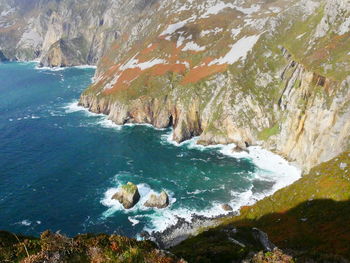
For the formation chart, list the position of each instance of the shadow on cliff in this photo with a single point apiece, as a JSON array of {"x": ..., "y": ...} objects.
[{"x": 313, "y": 231}]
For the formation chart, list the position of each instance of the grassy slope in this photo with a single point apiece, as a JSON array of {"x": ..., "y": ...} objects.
[
  {"x": 310, "y": 216},
  {"x": 82, "y": 248}
]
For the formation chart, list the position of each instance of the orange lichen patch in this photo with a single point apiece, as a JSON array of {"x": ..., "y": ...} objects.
[
  {"x": 125, "y": 78},
  {"x": 125, "y": 37},
  {"x": 245, "y": 208},
  {"x": 161, "y": 69},
  {"x": 150, "y": 49},
  {"x": 201, "y": 72},
  {"x": 115, "y": 46},
  {"x": 335, "y": 41}
]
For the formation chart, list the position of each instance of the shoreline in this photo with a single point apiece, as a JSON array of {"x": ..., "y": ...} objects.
[{"x": 271, "y": 166}]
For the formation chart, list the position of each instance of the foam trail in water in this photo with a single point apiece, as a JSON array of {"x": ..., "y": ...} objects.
[
  {"x": 38, "y": 67},
  {"x": 270, "y": 167}
]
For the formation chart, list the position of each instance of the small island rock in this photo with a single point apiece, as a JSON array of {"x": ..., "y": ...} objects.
[
  {"x": 160, "y": 201},
  {"x": 128, "y": 195},
  {"x": 227, "y": 207}
]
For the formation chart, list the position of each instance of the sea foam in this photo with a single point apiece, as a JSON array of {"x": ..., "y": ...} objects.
[{"x": 270, "y": 167}]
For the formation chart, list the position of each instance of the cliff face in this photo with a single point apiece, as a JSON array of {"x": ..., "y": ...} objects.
[
  {"x": 245, "y": 72},
  {"x": 66, "y": 32},
  {"x": 273, "y": 73}
]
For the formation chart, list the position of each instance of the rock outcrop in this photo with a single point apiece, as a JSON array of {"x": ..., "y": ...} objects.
[
  {"x": 66, "y": 53},
  {"x": 257, "y": 79},
  {"x": 158, "y": 201},
  {"x": 227, "y": 207},
  {"x": 66, "y": 32},
  {"x": 243, "y": 72},
  {"x": 128, "y": 195}
]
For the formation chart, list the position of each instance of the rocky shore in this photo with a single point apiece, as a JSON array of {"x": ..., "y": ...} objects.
[{"x": 183, "y": 229}]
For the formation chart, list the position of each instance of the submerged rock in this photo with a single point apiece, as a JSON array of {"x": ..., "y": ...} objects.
[
  {"x": 160, "y": 201},
  {"x": 128, "y": 195},
  {"x": 227, "y": 207}
]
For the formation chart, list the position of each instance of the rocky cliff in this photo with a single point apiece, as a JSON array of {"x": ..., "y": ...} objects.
[
  {"x": 273, "y": 73},
  {"x": 65, "y": 32}
]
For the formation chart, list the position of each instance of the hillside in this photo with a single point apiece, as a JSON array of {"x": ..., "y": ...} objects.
[
  {"x": 270, "y": 73},
  {"x": 250, "y": 72},
  {"x": 308, "y": 219}
]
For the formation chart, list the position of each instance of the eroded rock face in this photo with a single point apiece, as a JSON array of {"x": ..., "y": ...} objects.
[
  {"x": 228, "y": 72},
  {"x": 160, "y": 201},
  {"x": 66, "y": 53},
  {"x": 128, "y": 195},
  {"x": 33, "y": 31},
  {"x": 255, "y": 79}
]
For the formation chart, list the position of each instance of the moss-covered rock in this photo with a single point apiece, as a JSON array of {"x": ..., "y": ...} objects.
[{"x": 128, "y": 195}]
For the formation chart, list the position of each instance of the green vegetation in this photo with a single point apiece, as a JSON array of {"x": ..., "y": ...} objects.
[
  {"x": 268, "y": 132},
  {"x": 309, "y": 218},
  {"x": 130, "y": 187},
  {"x": 52, "y": 247}
]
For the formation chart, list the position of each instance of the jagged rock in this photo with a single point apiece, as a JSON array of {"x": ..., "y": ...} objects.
[
  {"x": 238, "y": 149},
  {"x": 66, "y": 53},
  {"x": 227, "y": 207},
  {"x": 128, "y": 195},
  {"x": 160, "y": 201}
]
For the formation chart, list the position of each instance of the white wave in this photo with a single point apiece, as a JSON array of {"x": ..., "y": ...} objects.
[
  {"x": 270, "y": 167},
  {"x": 25, "y": 222},
  {"x": 75, "y": 107},
  {"x": 133, "y": 220},
  {"x": 162, "y": 219},
  {"x": 106, "y": 123},
  {"x": 38, "y": 67},
  {"x": 145, "y": 125},
  {"x": 145, "y": 191},
  {"x": 85, "y": 67}
]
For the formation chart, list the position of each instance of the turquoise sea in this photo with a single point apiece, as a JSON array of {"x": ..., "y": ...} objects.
[{"x": 60, "y": 165}]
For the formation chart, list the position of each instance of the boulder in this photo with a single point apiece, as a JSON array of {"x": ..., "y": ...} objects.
[
  {"x": 128, "y": 195},
  {"x": 160, "y": 201},
  {"x": 227, "y": 207},
  {"x": 239, "y": 149}
]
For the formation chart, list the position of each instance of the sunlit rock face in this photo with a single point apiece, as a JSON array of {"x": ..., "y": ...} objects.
[
  {"x": 274, "y": 73},
  {"x": 244, "y": 72}
]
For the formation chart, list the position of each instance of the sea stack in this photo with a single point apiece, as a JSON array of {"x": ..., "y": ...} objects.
[
  {"x": 160, "y": 201},
  {"x": 128, "y": 195}
]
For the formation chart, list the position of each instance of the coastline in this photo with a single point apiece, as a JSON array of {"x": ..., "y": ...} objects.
[
  {"x": 193, "y": 221},
  {"x": 272, "y": 166}
]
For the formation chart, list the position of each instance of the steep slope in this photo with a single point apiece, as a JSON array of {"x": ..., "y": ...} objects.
[
  {"x": 308, "y": 219},
  {"x": 65, "y": 32},
  {"x": 54, "y": 247},
  {"x": 274, "y": 73}
]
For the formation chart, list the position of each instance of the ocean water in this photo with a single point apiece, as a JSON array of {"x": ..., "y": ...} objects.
[{"x": 60, "y": 164}]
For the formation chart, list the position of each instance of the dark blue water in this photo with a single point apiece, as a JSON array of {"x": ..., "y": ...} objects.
[{"x": 59, "y": 165}]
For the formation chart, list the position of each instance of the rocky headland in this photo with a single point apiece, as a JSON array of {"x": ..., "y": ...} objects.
[{"x": 269, "y": 73}]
